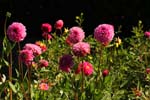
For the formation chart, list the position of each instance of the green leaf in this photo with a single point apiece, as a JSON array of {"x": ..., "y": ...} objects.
[
  {"x": 7, "y": 46},
  {"x": 12, "y": 87},
  {"x": 5, "y": 62}
]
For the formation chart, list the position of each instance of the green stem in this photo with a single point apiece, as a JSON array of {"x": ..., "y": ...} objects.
[
  {"x": 10, "y": 73},
  {"x": 5, "y": 26},
  {"x": 29, "y": 81},
  {"x": 19, "y": 63},
  {"x": 100, "y": 60},
  {"x": 82, "y": 86}
]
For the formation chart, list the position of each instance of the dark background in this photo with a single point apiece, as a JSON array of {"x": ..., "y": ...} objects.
[{"x": 32, "y": 13}]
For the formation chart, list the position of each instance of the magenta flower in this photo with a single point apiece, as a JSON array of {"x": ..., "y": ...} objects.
[
  {"x": 43, "y": 86},
  {"x": 66, "y": 63},
  {"x": 26, "y": 56},
  {"x": 59, "y": 24},
  {"x": 43, "y": 63},
  {"x": 76, "y": 34},
  {"x": 81, "y": 49},
  {"x": 47, "y": 36},
  {"x": 147, "y": 34},
  {"x": 104, "y": 33},
  {"x": 34, "y": 48},
  {"x": 16, "y": 32},
  {"x": 86, "y": 67},
  {"x": 46, "y": 27}
]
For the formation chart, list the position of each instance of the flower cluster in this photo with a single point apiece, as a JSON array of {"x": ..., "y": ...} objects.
[{"x": 71, "y": 66}]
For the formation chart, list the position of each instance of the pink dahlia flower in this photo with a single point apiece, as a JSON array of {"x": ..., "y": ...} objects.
[
  {"x": 66, "y": 63},
  {"x": 81, "y": 49},
  {"x": 34, "y": 48},
  {"x": 104, "y": 33},
  {"x": 147, "y": 34},
  {"x": 16, "y": 32},
  {"x": 59, "y": 24},
  {"x": 86, "y": 67},
  {"x": 43, "y": 86},
  {"x": 47, "y": 36},
  {"x": 43, "y": 63},
  {"x": 46, "y": 27},
  {"x": 26, "y": 56},
  {"x": 76, "y": 34}
]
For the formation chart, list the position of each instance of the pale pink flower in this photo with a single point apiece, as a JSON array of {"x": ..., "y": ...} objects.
[
  {"x": 26, "y": 56},
  {"x": 104, "y": 33},
  {"x": 81, "y": 49},
  {"x": 43, "y": 86},
  {"x": 46, "y": 27},
  {"x": 86, "y": 67},
  {"x": 66, "y": 63},
  {"x": 34, "y": 48},
  {"x": 59, "y": 24},
  {"x": 147, "y": 34},
  {"x": 43, "y": 63},
  {"x": 76, "y": 34},
  {"x": 47, "y": 36},
  {"x": 16, "y": 32}
]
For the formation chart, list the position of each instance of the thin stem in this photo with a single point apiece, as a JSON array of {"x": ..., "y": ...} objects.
[
  {"x": 5, "y": 26},
  {"x": 10, "y": 73},
  {"x": 76, "y": 95},
  {"x": 29, "y": 81},
  {"x": 22, "y": 87},
  {"x": 82, "y": 84},
  {"x": 19, "y": 63},
  {"x": 82, "y": 89},
  {"x": 100, "y": 60}
]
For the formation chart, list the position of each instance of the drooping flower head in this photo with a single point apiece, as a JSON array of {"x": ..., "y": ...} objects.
[
  {"x": 104, "y": 33},
  {"x": 59, "y": 24},
  {"x": 26, "y": 56},
  {"x": 43, "y": 86},
  {"x": 76, "y": 34},
  {"x": 34, "y": 48},
  {"x": 81, "y": 49},
  {"x": 41, "y": 45},
  {"x": 16, "y": 32},
  {"x": 86, "y": 67},
  {"x": 147, "y": 34},
  {"x": 46, "y": 27},
  {"x": 66, "y": 63},
  {"x": 43, "y": 63}
]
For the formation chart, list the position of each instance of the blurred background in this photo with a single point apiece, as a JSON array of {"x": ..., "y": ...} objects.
[{"x": 32, "y": 13}]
